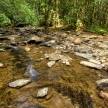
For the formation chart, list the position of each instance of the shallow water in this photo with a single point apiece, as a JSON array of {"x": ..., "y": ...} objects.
[{"x": 69, "y": 85}]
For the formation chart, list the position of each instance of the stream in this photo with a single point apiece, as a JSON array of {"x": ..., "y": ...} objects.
[{"x": 69, "y": 84}]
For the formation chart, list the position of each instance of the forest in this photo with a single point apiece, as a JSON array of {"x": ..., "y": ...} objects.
[{"x": 89, "y": 15}]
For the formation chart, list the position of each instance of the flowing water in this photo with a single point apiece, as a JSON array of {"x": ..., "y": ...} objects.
[{"x": 71, "y": 86}]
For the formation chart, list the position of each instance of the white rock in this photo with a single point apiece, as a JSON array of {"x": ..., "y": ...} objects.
[
  {"x": 87, "y": 56},
  {"x": 51, "y": 63},
  {"x": 89, "y": 64},
  {"x": 94, "y": 61},
  {"x": 102, "y": 81},
  {"x": 47, "y": 56},
  {"x": 67, "y": 63},
  {"x": 42, "y": 92},
  {"x": 103, "y": 53},
  {"x": 104, "y": 64},
  {"x": 19, "y": 82},
  {"x": 54, "y": 57}
]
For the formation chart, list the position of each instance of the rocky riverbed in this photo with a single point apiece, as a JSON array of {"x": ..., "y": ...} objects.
[{"x": 52, "y": 69}]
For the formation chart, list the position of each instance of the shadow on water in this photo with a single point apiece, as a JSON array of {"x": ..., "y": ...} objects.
[{"x": 22, "y": 61}]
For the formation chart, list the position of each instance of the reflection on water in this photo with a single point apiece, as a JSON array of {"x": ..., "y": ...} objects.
[
  {"x": 32, "y": 72},
  {"x": 13, "y": 47}
]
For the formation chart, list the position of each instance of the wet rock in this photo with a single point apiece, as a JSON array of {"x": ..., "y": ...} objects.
[
  {"x": 95, "y": 61},
  {"x": 58, "y": 102},
  {"x": 54, "y": 57},
  {"x": 51, "y": 63},
  {"x": 20, "y": 100},
  {"x": 27, "y": 49},
  {"x": 103, "y": 83},
  {"x": 19, "y": 83},
  {"x": 84, "y": 55},
  {"x": 2, "y": 65},
  {"x": 103, "y": 94},
  {"x": 67, "y": 63},
  {"x": 42, "y": 92},
  {"x": 92, "y": 65},
  {"x": 65, "y": 59},
  {"x": 49, "y": 95}
]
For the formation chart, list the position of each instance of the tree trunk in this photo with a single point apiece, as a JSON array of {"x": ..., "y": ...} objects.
[
  {"x": 57, "y": 20},
  {"x": 47, "y": 12}
]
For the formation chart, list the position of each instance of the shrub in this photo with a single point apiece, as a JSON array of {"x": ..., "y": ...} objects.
[
  {"x": 98, "y": 29},
  {"x": 4, "y": 20}
]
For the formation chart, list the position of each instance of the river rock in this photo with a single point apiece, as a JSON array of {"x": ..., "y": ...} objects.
[
  {"x": 54, "y": 57},
  {"x": 2, "y": 65},
  {"x": 77, "y": 41},
  {"x": 42, "y": 92},
  {"x": 104, "y": 64},
  {"x": 103, "y": 53},
  {"x": 106, "y": 68},
  {"x": 65, "y": 59},
  {"x": 47, "y": 56},
  {"x": 19, "y": 83},
  {"x": 50, "y": 43},
  {"x": 81, "y": 49},
  {"x": 27, "y": 49},
  {"x": 21, "y": 99},
  {"x": 89, "y": 37},
  {"x": 94, "y": 61},
  {"x": 36, "y": 39},
  {"x": 103, "y": 83},
  {"x": 92, "y": 65},
  {"x": 84, "y": 55},
  {"x": 51, "y": 63},
  {"x": 102, "y": 45}
]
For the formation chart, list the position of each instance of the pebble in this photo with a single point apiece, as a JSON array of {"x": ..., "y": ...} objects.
[
  {"x": 51, "y": 63},
  {"x": 2, "y": 65},
  {"x": 42, "y": 92}
]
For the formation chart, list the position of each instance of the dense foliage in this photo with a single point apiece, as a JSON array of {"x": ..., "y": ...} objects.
[{"x": 86, "y": 14}]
